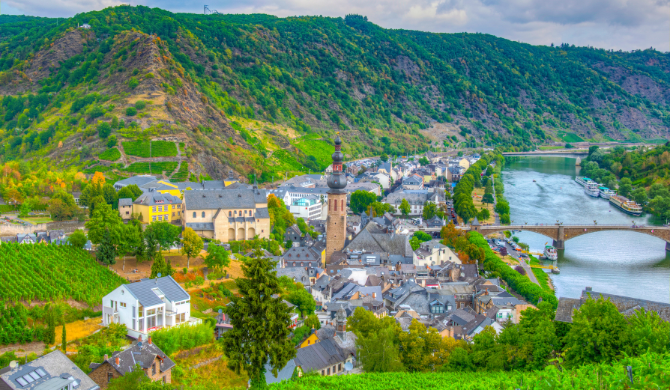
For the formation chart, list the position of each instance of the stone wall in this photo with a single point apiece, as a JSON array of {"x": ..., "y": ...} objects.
[{"x": 66, "y": 226}]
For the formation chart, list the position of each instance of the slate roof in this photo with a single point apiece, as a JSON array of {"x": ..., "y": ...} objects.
[
  {"x": 197, "y": 226},
  {"x": 141, "y": 353},
  {"x": 54, "y": 365},
  {"x": 223, "y": 199},
  {"x": 625, "y": 305},
  {"x": 138, "y": 180},
  {"x": 320, "y": 355},
  {"x": 284, "y": 374},
  {"x": 125, "y": 202},
  {"x": 392, "y": 244},
  {"x": 147, "y": 298},
  {"x": 156, "y": 198}
]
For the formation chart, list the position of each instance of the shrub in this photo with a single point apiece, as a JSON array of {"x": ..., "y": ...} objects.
[
  {"x": 133, "y": 83},
  {"x": 182, "y": 337},
  {"x": 111, "y": 141},
  {"x": 149, "y": 75},
  {"x": 140, "y": 104},
  {"x": 131, "y": 111},
  {"x": 520, "y": 270}
]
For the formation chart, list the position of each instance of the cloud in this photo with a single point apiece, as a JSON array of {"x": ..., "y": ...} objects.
[{"x": 611, "y": 24}]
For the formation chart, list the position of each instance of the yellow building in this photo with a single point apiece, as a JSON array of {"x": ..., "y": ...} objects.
[
  {"x": 311, "y": 340},
  {"x": 155, "y": 206},
  {"x": 464, "y": 162}
]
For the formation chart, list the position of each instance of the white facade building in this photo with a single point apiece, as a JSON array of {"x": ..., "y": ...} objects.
[
  {"x": 308, "y": 208},
  {"x": 148, "y": 305}
]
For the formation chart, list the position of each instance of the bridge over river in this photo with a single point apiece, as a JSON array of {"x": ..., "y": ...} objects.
[
  {"x": 561, "y": 233},
  {"x": 550, "y": 153}
]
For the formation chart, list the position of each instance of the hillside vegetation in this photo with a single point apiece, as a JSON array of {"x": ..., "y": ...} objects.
[{"x": 259, "y": 94}]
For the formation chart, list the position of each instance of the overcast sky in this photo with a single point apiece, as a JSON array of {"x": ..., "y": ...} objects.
[{"x": 611, "y": 24}]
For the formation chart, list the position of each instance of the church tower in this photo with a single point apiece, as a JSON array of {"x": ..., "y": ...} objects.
[{"x": 336, "y": 225}]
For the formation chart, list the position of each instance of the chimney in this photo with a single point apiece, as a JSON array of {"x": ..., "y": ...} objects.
[
  {"x": 150, "y": 337},
  {"x": 105, "y": 358},
  {"x": 117, "y": 361},
  {"x": 139, "y": 339}
]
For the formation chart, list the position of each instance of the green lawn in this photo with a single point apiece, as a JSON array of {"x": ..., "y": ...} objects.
[
  {"x": 37, "y": 220},
  {"x": 571, "y": 137}
]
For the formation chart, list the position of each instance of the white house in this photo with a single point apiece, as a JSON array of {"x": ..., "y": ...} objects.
[
  {"x": 147, "y": 306},
  {"x": 433, "y": 252}
]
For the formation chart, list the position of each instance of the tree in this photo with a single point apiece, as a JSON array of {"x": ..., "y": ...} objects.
[
  {"x": 24, "y": 210},
  {"x": 483, "y": 214},
  {"x": 384, "y": 157},
  {"x": 104, "y": 220},
  {"x": 639, "y": 195},
  {"x": 599, "y": 333},
  {"x": 106, "y": 251},
  {"x": 109, "y": 193},
  {"x": 302, "y": 299},
  {"x": 129, "y": 241},
  {"x": 260, "y": 322},
  {"x": 312, "y": 321},
  {"x": 192, "y": 245},
  {"x": 64, "y": 338},
  {"x": 625, "y": 187},
  {"x": 424, "y": 161},
  {"x": 649, "y": 332},
  {"x": 217, "y": 257},
  {"x": 419, "y": 348},
  {"x": 95, "y": 203},
  {"x": 429, "y": 210},
  {"x": 140, "y": 250},
  {"x": 77, "y": 239},
  {"x": 487, "y": 198},
  {"x": 104, "y": 130},
  {"x": 164, "y": 233},
  {"x": 158, "y": 266},
  {"x": 136, "y": 379},
  {"x": 302, "y": 225},
  {"x": 132, "y": 191},
  {"x": 376, "y": 341},
  {"x": 404, "y": 207},
  {"x": 14, "y": 196},
  {"x": 360, "y": 200}
]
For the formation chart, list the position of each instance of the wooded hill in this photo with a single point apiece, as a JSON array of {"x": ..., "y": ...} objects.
[{"x": 264, "y": 94}]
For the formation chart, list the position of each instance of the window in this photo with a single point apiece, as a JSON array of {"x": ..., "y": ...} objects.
[
  {"x": 328, "y": 371},
  {"x": 153, "y": 209},
  {"x": 203, "y": 214},
  {"x": 230, "y": 213},
  {"x": 153, "y": 218},
  {"x": 110, "y": 376},
  {"x": 153, "y": 369},
  {"x": 141, "y": 311},
  {"x": 123, "y": 304},
  {"x": 339, "y": 367}
]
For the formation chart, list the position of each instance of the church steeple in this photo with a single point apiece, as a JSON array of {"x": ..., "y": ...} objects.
[{"x": 337, "y": 181}]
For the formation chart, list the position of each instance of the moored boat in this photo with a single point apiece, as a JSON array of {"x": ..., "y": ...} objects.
[
  {"x": 605, "y": 192},
  {"x": 591, "y": 189},
  {"x": 626, "y": 205},
  {"x": 582, "y": 180},
  {"x": 550, "y": 252}
]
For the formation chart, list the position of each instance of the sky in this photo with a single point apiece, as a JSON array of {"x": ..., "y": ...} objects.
[{"x": 609, "y": 24}]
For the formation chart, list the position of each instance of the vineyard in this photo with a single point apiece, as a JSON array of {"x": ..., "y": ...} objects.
[
  {"x": 112, "y": 154},
  {"x": 182, "y": 173},
  {"x": 52, "y": 272},
  {"x": 153, "y": 167},
  {"x": 650, "y": 371},
  {"x": 156, "y": 149}
]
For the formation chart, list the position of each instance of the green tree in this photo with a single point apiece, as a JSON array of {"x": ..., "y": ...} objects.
[
  {"x": 109, "y": 193},
  {"x": 302, "y": 299},
  {"x": 164, "y": 233},
  {"x": 192, "y": 245},
  {"x": 302, "y": 225},
  {"x": 424, "y": 161},
  {"x": 360, "y": 200},
  {"x": 105, "y": 252},
  {"x": 376, "y": 341},
  {"x": 217, "y": 256},
  {"x": 104, "y": 220},
  {"x": 77, "y": 239},
  {"x": 64, "y": 337},
  {"x": 404, "y": 207},
  {"x": 95, "y": 203},
  {"x": 104, "y": 130},
  {"x": 649, "y": 332},
  {"x": 24, "y": 210},
  {"x": 384, "y": 157},
  {"x": 260, "y": 322},
  {"x": 487, "y": 198},
  {"x": 483, "y": 214},
  {"x": 625, "y": 187},
  {"x": 599, "y": 333},
  {"x": 159, "y": 266},
  {"x": 429, "y": 210},
  {"x": 133, "y": 83},
  {"x": 130, "y": 240},
  {"x": 136, "y": 379},
  {"x": 640, "y": 196}
]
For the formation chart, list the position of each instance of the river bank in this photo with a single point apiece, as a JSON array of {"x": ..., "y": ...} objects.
[{"x": 543, "y": 190}]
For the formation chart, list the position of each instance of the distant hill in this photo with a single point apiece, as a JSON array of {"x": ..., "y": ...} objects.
[{"x": 265, "y": 95}]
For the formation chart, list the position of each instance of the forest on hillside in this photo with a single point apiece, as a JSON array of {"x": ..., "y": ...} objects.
[{"x": 383, "y": 89}]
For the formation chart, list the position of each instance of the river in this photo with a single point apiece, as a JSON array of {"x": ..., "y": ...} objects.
[{"x": 622, "y": 263}]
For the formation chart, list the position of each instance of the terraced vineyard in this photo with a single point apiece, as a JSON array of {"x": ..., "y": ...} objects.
[
  {"x": 152, "y": 167},
  {"x": 182, "y": 173},
  {"x": 52, "y": 272},
  {"x": 112, "y": 154},
  {"x": 650, "y": 371},
  {"x": 156, "y": 149}
]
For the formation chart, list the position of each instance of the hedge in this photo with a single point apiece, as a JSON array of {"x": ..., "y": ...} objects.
[{"x": 519, "y": 283}]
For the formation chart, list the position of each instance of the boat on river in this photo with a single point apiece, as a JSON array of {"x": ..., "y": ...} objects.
[
  {"x": 550, "y": 253},
  {"x": 626, "y": 205},
  {"x": 582, "y": 180},
  {"x": 591, "y": 189},
  {"x": 606, "y": 193}
]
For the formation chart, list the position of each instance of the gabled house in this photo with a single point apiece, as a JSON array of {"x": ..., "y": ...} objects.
[
  {"x": 293, "y": 234},
  {"x": 26, "y": 238},
  {"x": 148, "y": 305},
  {"x": 155, "y": 364}
]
